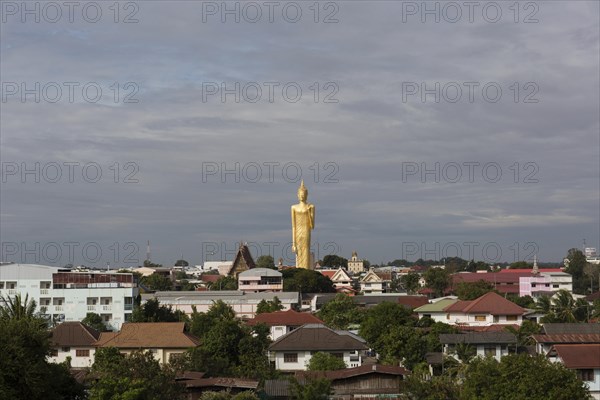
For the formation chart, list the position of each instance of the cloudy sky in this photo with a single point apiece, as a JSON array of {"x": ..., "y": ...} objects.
[{"x": 420, "y": 130}]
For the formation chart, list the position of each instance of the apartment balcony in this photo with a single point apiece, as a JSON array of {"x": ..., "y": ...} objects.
[
  {"x": 44, "y": 291},
  {"x": 128, "y": 307},
  {"x": 257, "y": 287},
  {"x": 12, "y": 291},
  {"x": 59, "y": 308},
  {"x": 91, "y": 307},
  {"x": 107, "y": 307}
]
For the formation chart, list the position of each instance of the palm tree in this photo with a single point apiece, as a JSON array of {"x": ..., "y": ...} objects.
[
  {"x": 563, "y": 306},
  {"x": 16, "y": 308},
  {"x": 543, "y": 304}
]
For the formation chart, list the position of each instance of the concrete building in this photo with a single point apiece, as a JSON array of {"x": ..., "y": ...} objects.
[
  {"x": 293, "y": 351},
  {"x": 355, "y": 265},
  {"x": 484, "y": 344},
  {"x": 260, "y": 280},
  {"x": 375, "y": 282},
  {"x": 64, "y": 295},
  {"x": 244, "y": 304}
]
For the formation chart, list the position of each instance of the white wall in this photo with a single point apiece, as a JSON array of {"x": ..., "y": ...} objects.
[{"x": 76, "y": 362}]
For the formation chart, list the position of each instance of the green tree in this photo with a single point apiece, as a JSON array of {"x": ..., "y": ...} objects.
[
  {"x": 520, "y": 265},
  {"x": 157, "y": 282},
  {"x": 153, "y": 311},
  {"x": 522, "y": 301},
  {"x": 576, "y": 267},
  {"x": 333, "y": 261},
  {"x": 520, "y": 376},
  {"x": 24, "y": 345},
  {"x": 321, "y": 361},
  {"x": 438, "y": 280},
  {"x": 137, "y": 376},
  {"x": 402, "y": 344},
  {"x": 181, "y": 263},
  {"x": 564, "y": 308},
  {"x": 381, "y": 319},
  {"x": 340, "y": 312},
  {"x": 225, "y": 283},
  {"x": 150, "y": 264},
  {"x": 269, "y": 306},
  {"x": 306, "y": 281},
  {"x": 94, "y": 321},
  {"x": 265, "y": 262},
  {"x": 524, "y": 332},
  {"x": 473, "y": 290},
  {"x": 434, "y": 388},
  {"x": 410, "y": 282},
  {"x": 312, "y": 389}
]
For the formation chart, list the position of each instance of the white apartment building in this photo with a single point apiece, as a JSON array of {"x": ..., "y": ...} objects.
[{"x": 64, "y": 295}]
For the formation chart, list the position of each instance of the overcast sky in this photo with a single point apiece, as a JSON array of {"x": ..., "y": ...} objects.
[{"x": 370, "y": 133}]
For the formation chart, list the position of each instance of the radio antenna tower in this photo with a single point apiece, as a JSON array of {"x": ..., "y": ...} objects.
[{"x": 148, "y": 252}]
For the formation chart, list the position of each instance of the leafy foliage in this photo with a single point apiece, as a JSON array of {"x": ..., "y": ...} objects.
[
  {"x": 410, "y": 282},
  {"x": 473, "y": 290},
  {"x": 152, "y": 311},
  {"x": 24, "y": 345},
  {"x": 520, "y": 376},
  {"x": 340, "y": 312},
  {"x": 137, "y": 376},
  {"x": 265, "y": 306},
  {"x": 438, "y": 280},
  {"x": 381, "y": 319},
  {"x": 321, "y": 361},
  {"x": 94, "y": 321},
  {"x": 306, "y": 281},
  {"x": 312, "y": 389},
  {"x": 225, "y": 283},
  {"x": 576, "y": 267},
  {"x": 333, "y": 261},
  {"x": 157, "y": 282},
  {"x": 265, "y": 261}
]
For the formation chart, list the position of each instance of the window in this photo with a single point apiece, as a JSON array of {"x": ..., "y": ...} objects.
[
  {"x": 338, "y": 355},
  {"x": 53, "y": 353},
  {"x": 555, "y": 286},
  {"x": 82, "y": 353},
  {"x": 511, "y": 317},
  {"x": 586, "y": 374},
  {"x": 65, "y": 349},
  {"x": 489, "y": 351},
  {"x": 533, "y": 285},
  {"x": 290, "y": 357},
  {"x": 480, "y": 318}
]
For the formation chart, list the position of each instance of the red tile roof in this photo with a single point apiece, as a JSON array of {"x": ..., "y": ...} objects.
[
  {"x": 579, "y": 356},
  {"x": 490, "y": 303},
  {"x": 413, "y": 301},
  {"x": 528, "y": 271},
  {"x": 328, "y": 273},
  {"x": 356, "y": 371},
  {"x": 287, "y": 318},
  {"x": 489, "y": 328},
  {"x": 210, "y": 278}
]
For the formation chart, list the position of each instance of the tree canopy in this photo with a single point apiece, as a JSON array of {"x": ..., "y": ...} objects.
[
  {"x": 157, "y": 282},
  {"x": 341, "y": 312},
  {"x": 267, "y": 306},
  {"x": 438, "y": 280},
  {"x": 24, "y": 345},
  {"x": 321, "y": 361},
  {"x": 334, "y": 261},
  {"x": 306, "y": 281},
  {"x": 153, "y": 311},
  {"x": 265, "y": 261},
  {"x": 94, "y": 321},
  {"x": 473, "y": 290}
]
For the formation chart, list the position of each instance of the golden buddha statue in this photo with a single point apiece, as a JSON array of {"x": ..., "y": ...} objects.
[{"x": 303, "y": 221}]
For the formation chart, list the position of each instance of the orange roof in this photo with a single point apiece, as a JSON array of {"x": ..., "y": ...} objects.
[
  {"x": 288, "y": 318},
  {"x": 328, "y": 273},
  {"x": 579, "y": 356},
  {"x": 166, "y": 335},
  {"x": 489, "y": 303}
]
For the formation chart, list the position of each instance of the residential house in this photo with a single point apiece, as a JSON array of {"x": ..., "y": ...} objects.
[
  {"x": 495, "y": 344},
  {"x": 565, "y": 333},
  {"x": 489, "y": 309},
  {"x": 375, "y": 282},
  {"x": 244, "y": 304},
  {"x": 342, "y": 281},
  {"x": 283, "y": 322},
  {"x": 293, "y": 351},
  {"x": 196, "y": 384},
  {"x": 585, "y": 360},
  {"x": 76, "y": 341},
  {"x": 66, "y": 295},
  {"x": 165, "y": 340},
  {"x": 365, "y": 382}
]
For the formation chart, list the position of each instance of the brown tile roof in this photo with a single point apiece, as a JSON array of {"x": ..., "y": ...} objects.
[
  {"x": 74, "y": 334},
  {"x": 477, "y": 337},
  {"x": 317, "y": 337},
  {"x": 489, "y": 303},
  {"x": 356, "y": 371},
  {"x": 593, "y": 296},
  {"x": 579, "y": 356},
  {"x": 288, "y": 318},
  {"x": 328, "y": 273},
  {"x": 413, "y": 301},
  {"x": 568, "y": 338},
  {"x": 567, "y": 328},
  {"x": 487, "y": 328},
  {"x": 150, "y": 335},
  {"x": 210, "y": 277},
  {"x": 104, "y": 337},
  {"x": 221, "y": 382}
]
